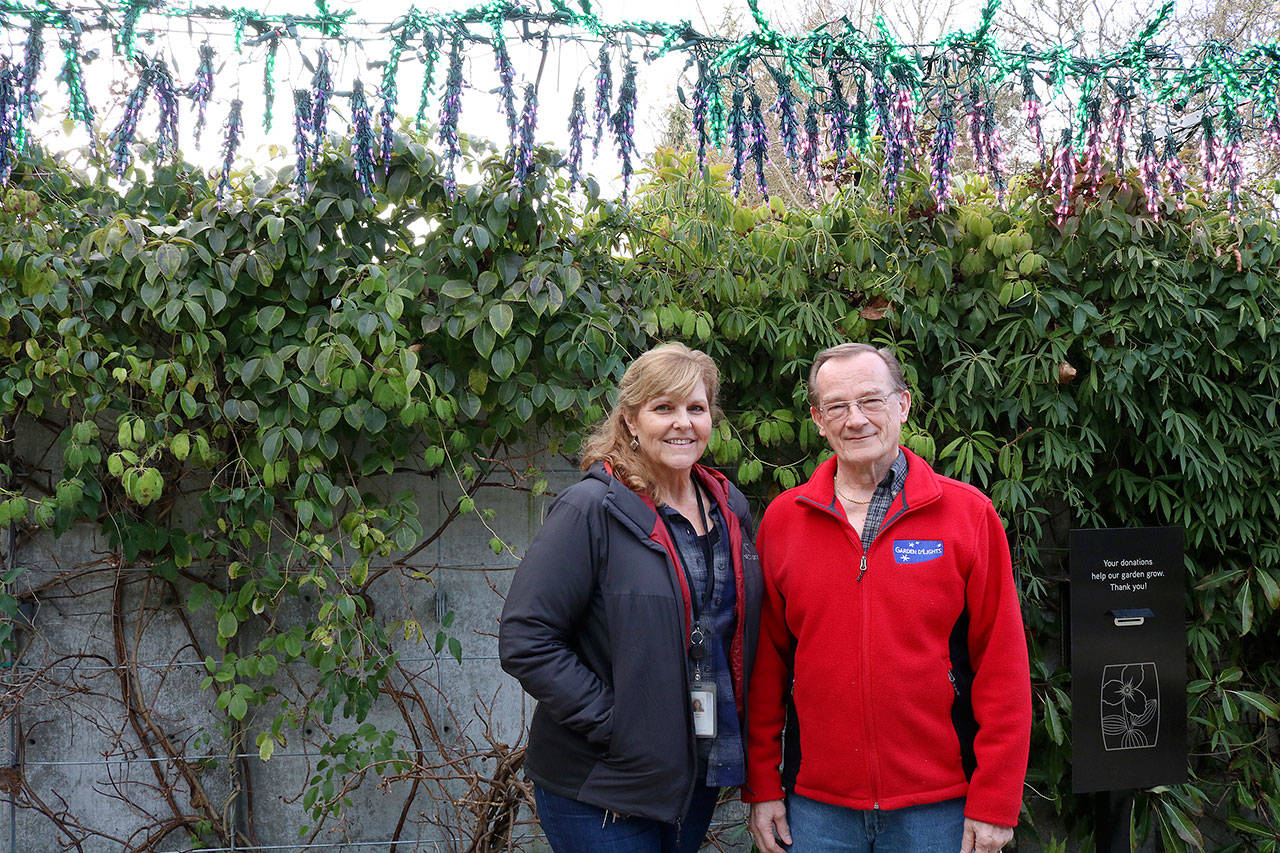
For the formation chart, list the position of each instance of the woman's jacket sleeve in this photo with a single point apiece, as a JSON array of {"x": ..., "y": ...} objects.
[{"x": 546, "y": 607}]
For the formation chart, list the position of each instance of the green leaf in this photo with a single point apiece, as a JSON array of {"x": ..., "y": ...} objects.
[
  {"x": 217, "y": 299},
  {"x": 271, "y": 444},
  {"x": 329, "y": 418},
  {"x": 1052, "y": 720},
  {"x": 1239, "y": 823},
  {"x": 509, "y": 266},
  {"x": 483, "y": 340},
  {"x": 375, "y": 419},
  {"x": 503, "y": 363},
  {"x": 1244, "y": 606},
  {"x": 158, "y": 377},
  {"x": 250, "y": 371},
  {"x": 228, "y": 625},
  {"x": 1267, "y": 707},
  {"x": 275, "y": 227},
  {"x": 170, "y": 259},
  {"x": 273, "y": 366},
  {"x": 395, "y": 306},
  {"x": 1270, "y": 588},
  {"x": 151, "y": 295},
  {"x": 500, "y": 317},
  {"x": 398, "y": 184},
  {"x": 1182, "y": 824},
  {"x": 457, "y": 289},
  {"x": 270, "y": 317},
  {"x": 298, "y": 394}
]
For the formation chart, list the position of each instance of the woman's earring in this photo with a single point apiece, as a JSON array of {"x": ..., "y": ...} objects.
[{"x": 635, "y": 443}]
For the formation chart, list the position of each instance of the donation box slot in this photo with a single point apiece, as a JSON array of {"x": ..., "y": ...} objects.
[{"x": 1128, "y": 659}]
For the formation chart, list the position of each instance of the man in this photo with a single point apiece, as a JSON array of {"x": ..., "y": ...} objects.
[{"x": 891, "y": 621}]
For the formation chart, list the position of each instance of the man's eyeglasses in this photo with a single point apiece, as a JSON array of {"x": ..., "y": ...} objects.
[{"x": 840, "y": 409}]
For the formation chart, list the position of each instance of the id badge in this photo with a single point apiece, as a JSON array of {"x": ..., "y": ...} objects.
[{"x": 702, "y": 697}]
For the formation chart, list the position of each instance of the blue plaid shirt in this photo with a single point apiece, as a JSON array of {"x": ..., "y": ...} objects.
[
  {"x": 723, "y": 754},
  {"x": 885, "y": 492}
]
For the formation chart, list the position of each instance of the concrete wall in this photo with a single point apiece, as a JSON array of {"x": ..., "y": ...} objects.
[{"x": 101, "y": 638}]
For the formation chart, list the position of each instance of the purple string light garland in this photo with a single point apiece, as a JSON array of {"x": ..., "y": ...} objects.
[
  {"x": 524, "y": 153},
  {"x": 231, "y": 137},
  {"x": 302, "y": 145},
  {"x": 121, "y": 138},
  {"x": 362, "y": 138},
  {"x": 450, "y": 108},
  {"x": 759, "y": 146},
  {"x": 738, "y": 138},
  {"x": 202, "y": 89},
  {"x": 10, "y": 120},
  {"x": 604, "y": 92},
  {"x": 624, "y": 125},
  {"x": 321, "y": 93},
  {"x": 577, "y": 126},
  {"x": 1216, "y": 97}
]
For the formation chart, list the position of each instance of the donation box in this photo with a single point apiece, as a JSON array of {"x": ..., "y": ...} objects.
[{"x": 1128, "y": 659}]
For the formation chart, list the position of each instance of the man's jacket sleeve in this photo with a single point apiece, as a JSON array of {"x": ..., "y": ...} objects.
[
  {"x": 547, "y": 603},
  {"x": 1001, "y": 682},
  {"x": 770, "y": 685}
]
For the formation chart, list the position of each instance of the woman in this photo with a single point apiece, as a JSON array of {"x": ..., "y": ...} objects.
[{"x": 639, "y": 597}]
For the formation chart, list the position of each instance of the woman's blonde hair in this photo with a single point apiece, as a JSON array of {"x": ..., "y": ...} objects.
[{"x": 670, "y": 369}]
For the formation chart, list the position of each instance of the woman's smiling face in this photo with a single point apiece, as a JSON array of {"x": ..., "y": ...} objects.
[{"x": 673, "y": 430}]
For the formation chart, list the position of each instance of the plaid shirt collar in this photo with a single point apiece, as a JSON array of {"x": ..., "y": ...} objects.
[{"x": 888, "y": 489}]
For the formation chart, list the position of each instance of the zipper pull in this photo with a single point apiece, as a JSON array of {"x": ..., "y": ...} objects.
[{"x": 862, "y": 568}]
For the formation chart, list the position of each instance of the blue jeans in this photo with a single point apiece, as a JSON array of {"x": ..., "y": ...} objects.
[
  {"x": 823, "y": 828},
  {"x": 574, "y": 827}
]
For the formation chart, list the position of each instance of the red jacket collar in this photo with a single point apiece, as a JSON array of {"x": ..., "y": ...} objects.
[{"x": 922, "y": 484}]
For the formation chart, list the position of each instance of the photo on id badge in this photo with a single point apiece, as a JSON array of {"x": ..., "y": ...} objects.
[{"x": 702, "y": 697}]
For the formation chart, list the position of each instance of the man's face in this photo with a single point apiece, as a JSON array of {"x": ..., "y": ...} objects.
[{"x": 863, "y": 441}]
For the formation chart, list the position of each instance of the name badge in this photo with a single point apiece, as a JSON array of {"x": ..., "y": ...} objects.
[
  {"x": 702, "y": 698},
  {"x": 916, "y": 550}
]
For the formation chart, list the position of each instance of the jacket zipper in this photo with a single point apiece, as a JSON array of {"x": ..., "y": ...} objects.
[
  {"x": 867, "y": 711},
  {"x": 871, "y": 741},
  {"x": 868, "y": 722}
]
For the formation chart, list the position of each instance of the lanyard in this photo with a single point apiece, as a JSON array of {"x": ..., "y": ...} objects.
[
  {"x": 697, "y": 636},
  {"x": 708, "y": 554}
]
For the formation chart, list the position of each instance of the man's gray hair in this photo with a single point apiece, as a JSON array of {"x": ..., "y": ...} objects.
[{"x": 896, "y": 380}]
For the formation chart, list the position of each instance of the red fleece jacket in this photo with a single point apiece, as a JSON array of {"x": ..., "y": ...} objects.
[{"x": 879, "y": 663}]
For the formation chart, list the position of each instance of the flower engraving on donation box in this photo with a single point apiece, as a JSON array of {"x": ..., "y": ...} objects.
[{"x": 1130, "y": 706}]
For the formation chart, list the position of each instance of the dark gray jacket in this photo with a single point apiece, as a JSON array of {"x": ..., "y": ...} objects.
[{"x": 596, "y": 628}]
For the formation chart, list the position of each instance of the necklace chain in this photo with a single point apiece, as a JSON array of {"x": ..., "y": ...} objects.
[{"x": 843, "y": 496}]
